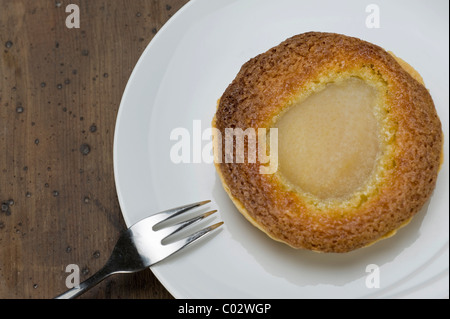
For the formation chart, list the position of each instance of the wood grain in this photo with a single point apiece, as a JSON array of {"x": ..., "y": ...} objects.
[{"x": 60, "y": 90}]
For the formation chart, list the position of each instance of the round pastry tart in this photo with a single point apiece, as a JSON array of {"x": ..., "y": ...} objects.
[{"x": 327, "y": 142}]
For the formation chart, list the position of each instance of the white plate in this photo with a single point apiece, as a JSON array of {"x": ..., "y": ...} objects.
[{"x": 179, "y": 78}]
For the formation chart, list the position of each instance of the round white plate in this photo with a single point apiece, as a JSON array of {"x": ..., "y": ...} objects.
[{"x": 176, "y": 84}]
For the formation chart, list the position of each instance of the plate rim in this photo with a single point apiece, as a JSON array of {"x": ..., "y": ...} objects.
[{"x": 121, "y": 109}]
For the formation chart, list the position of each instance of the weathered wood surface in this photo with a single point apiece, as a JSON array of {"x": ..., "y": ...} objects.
[{"x": 60, "y": 90}]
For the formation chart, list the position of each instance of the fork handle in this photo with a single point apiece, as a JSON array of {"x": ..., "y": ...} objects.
[{"x": 87, "y": 284}]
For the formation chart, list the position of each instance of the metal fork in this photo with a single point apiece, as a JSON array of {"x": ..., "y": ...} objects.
[{"x": 141, "y": 246}]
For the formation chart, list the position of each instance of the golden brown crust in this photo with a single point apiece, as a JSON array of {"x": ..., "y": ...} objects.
[{"x": 261, "y": 91}]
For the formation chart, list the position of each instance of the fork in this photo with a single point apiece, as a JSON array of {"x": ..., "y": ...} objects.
[{"x": 141, "y": 245}]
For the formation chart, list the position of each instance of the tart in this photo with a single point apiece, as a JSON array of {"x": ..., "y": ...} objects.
[{"x": 358, "y": 142}]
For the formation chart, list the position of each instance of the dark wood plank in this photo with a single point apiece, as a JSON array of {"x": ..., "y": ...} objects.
[{"x": 60, "y": 90}]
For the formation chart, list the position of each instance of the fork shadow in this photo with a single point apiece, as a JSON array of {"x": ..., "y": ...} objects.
[{"x": 290, "y": 264}]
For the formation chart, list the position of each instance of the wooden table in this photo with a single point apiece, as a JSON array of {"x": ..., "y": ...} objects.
[{"x": 60, "y": 90}]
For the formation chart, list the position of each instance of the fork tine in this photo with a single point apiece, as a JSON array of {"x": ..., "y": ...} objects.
[
  {"x": 172, "y": 230},
  {"x": 182, "y": 243},
  {"x": 170, "y": 213}
]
